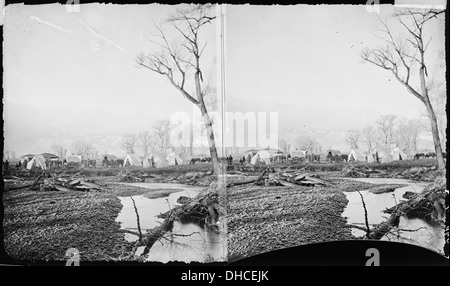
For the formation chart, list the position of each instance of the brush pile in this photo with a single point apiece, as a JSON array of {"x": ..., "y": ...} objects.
[
  {"x": 351, "y": 171},
  {"x": 288, "y": 178}
]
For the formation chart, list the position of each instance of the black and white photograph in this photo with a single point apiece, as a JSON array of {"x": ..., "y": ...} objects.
[{"x": 214, "y": 134}]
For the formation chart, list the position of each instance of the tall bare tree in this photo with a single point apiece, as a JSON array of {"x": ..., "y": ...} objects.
[
  {"x": 407, "y": 133},
  {"x": 284, "y": 146},
  {"x": 161, "y": 133},
  {"x": 370, "y": 137},
  {"x": 84, "y": 148},
  {"x": 352, "y": 138},
  {"x": 128, "y": 143},
  {"x": 60, "y": 149},
  {"x": 308, "y": 143},
  {"x": 180, "y": 63},
  {"x": 146, "y": 142},
  {"x": 404, "y": 56},
  {"x": 386, "y": 129}
]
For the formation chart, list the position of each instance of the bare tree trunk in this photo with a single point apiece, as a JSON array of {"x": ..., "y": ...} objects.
[
  {"x": 435, "y": 133},
  {"x": 211, "y": 139}
]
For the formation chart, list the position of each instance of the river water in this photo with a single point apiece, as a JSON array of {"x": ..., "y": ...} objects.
[
  {"x": 186, "y": 242},
  {"x": 420, "y": 232}
]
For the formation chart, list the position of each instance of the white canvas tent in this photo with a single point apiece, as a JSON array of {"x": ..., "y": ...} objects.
[
  {"x": 157, "y": 160},
  {"x": 146, "y": 162},
  {"x": 132, "y": 160},
  {"x": 37, "y": 161},
  {"x": 173, "y": 159},
  {"x": 261, "y": 156},
  {"x": 383, "y": 155},
  {"x": 370, "y": 158},
  {"x": 398, "y": 155},
  {"x": 356, "y": 155},
  {"x": 297, "y": 154},
  {"x": 74, "y": 159}
]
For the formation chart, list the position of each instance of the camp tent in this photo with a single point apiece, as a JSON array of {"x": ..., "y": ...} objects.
[
  {"x": 50, "y": 156},
  {"x": 157, "y": 160},
  {"x": 383, "y": 155},
  {"x": 371, "y": 158},
  {"x": 146, "y": 162},
  {"x": 250, "y": 152},
  {"x": 274, "y": 152},
  {"x": 398, "y": 155},
  {"x": 356, "y": 155},
  {"x": 132, "y": 160},
  {"x": 261, "y": 156},
  {"x": 74, "y": 159},
  {"x": 37, "y": 161},
  {"x": 297, "y": 154},
  {"x": 173, "y": 159}
]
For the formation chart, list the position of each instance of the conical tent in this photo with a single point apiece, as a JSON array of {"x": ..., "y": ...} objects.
[
  {"x": 173, "y": 159},
  {"x": 261, "y": 156},
  {"x": 370, "y": 158},
  {"x": 146, "y": 162},
  {"x": 132, "y": 160},
  {"x": 37, "y": 161},
  {"x": 356, "y": 155},
  {"x": 398, "y": 155},
  {"x": 383, "y": 155}
]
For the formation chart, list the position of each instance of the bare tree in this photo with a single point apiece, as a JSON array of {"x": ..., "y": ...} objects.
[
  {"x": 284, "y": 146},
  {"x": 386, "y": 129},
  {"x": 161, "y": 133},
  {"x": 308, "y": 143},
  {"x": 406, "y": 134},
  {"x": 180, "y": 62},
  {"x": 370, "y": 137},
  {"x": 146, "y": 142},
  {"x": 84, "y": 148},
  {"x": 401, "y": 57},
  {"x": 59, "y": 148},
  {"x": 352, "y": 138},
  {"x": 128, "y": 143}
]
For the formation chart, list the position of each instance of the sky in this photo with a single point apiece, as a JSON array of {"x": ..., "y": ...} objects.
[
  {"x": 76, "y": 72},
  {"x": 304, "y": 62}
]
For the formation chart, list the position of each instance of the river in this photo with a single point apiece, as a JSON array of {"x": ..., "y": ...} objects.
[
  {"x": 414, "y": 231},
  {"x": 186, "y": 242}
]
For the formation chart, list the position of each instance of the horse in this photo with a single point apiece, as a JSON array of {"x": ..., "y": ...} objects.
[
  {"x": 418, "y": 156},
  {"x": 194, "y": 160}
]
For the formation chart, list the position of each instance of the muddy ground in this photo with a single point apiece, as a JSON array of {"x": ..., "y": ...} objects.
[
  {"x": 41, "y": 225},
  {"x": 262, "y": 219}
]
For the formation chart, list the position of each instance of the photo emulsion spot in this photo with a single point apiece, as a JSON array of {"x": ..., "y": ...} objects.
[{"x": 214, "y": 134}]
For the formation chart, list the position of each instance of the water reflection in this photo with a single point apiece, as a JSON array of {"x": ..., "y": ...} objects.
[
  {"x": 186, "y": 242},
  {"x": 414, "y": 231}
]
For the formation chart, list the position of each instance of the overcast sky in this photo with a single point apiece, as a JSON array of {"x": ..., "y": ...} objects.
[
  {"x": 304, "y": 62},
  {"x": 75, "y": 72}
]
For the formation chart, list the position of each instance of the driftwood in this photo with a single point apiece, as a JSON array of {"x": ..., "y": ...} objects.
[
  {"x": 428, "y": 205},
  {"x": 126, "y": 176},
  {"x": 203, "y": 209},
  {"x": 283, "y": 178}
]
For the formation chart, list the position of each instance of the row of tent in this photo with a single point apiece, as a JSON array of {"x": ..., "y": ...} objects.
[
  {"x": 156, "y": 161},
  {"x": 378, "y": 154},
  {"x": 40, "y": 160}
]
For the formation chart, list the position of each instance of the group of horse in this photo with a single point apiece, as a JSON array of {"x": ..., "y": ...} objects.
[
  {"x": 194, "y": 161},
  {"x": 428, "y": 155}
]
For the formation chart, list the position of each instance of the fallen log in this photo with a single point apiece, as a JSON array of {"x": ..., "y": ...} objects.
[
  {"x": 428, "y": 205},
  {"x": 18, "y": 187},
  {"x": 204, "y": 208}
]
